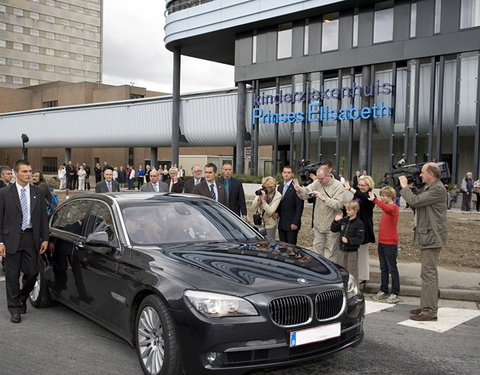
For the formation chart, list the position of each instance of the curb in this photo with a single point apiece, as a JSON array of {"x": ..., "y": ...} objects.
[{"x": 414, "y": 291}]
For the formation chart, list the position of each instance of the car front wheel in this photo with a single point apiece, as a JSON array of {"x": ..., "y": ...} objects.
[{"x": 156, "y": 338}]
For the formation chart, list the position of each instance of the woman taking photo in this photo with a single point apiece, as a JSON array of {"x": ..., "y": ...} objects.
[
  {"x": 266, "y": 203},
  {"x": 360, "y": 194}
]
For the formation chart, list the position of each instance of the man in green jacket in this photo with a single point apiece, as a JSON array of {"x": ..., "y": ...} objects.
[{"x": 430, "y": 206}]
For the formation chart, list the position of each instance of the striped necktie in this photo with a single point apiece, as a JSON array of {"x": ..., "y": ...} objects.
[
  {"x": 24, "y": 204},
  {"x": 212, "y": 192}
]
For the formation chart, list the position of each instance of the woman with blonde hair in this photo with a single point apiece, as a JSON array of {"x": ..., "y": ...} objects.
[
  {"x": 360, "y": 194},
  {"x": 266, "y": 203}
]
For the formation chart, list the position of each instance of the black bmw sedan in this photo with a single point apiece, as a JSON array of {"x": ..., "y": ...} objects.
[{"x": 193, "y": 287}]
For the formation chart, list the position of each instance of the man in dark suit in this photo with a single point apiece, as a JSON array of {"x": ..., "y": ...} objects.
[
  {"x": 71, "y": 173},
  {"x": 197, "y": 178},
  {"x": 155, "y": 184},
  {"x": 209, "y": 187},
  {"x": 6, "y": 175},
  {"x": 290, "y": 208},
  {"x": 107, "y": 185},
  {"x": 234, "y": 190},
  {"x": 23, "y": 235},
  {"x": 174, "y": 183}
]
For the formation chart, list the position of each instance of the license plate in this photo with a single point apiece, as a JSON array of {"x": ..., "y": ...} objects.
[{"x": 322, "y": 333}]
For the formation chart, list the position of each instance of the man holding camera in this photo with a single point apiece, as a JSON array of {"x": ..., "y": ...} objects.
[
  {"x": 330, "y": 197},
  {"x": 430, "y": 236}
]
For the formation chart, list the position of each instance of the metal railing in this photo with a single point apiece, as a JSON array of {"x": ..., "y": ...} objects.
[{"x": 176, "y": 5}]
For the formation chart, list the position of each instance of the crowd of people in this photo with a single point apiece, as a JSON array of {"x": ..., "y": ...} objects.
[{"x": 342, "y": 218}]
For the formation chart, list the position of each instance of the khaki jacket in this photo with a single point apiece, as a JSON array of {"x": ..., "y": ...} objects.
[
  {"x": 268, "y": 210},
  {"x": 430, "y": 215}
]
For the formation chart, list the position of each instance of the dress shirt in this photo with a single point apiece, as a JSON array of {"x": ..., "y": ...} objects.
[
  {"x": 197, "y": 181},
  {"x": 286, "y": 185},
  {"x": 155, "y": 186},
  {"x": 27, "y": 193}
]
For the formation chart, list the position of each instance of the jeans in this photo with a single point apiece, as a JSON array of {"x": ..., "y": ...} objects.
[{"x": 387, "y": 255}]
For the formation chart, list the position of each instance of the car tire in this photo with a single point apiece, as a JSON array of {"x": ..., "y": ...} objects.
[
  {"x": 39, "y": 296},
  {"x": 156, "y": 338}
]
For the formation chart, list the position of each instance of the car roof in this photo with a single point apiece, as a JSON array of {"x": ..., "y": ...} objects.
[{"x": 129, "y": 197}]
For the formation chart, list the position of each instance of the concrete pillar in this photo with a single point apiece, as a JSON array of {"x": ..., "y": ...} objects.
[
  {"x": 363, "y": 142},
  {"x": 176, "y": 106},
  {"x": 68, "y": 155},
  {"x": 241, "y": 112},
  {"x": 153, "y": 157}
]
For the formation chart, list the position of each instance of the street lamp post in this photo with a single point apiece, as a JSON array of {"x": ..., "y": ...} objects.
[{"x": 25, "y": 139}]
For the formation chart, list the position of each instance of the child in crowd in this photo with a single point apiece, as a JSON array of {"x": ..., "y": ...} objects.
[
  {"x": 387, "y": 244},
  {"x": 352, "y": 234}
]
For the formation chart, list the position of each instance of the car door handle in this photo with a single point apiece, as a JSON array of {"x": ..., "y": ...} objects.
[{"x": 81, "y": 245}]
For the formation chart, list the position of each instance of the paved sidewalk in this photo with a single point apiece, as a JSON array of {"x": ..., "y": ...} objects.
[{"x": 454, "y": 284}]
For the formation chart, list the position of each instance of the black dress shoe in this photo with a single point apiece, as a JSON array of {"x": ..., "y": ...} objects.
[
  {"x": 16, "y": 318},
  {"x": 416, "y": 312},
  {"x": 424, "y": 318},
  {"x": 24, "y": 307}
]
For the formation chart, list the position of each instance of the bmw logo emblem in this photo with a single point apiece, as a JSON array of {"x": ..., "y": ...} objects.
[{"x": 302, "y": 281}]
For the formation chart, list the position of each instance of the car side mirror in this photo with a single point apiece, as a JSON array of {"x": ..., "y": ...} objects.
[{"x": 98, "y": 239}]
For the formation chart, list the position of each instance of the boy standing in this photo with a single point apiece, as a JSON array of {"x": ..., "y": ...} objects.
[
  {"x": 387, "y": 244},
  {"x": 352, "y": 234}
]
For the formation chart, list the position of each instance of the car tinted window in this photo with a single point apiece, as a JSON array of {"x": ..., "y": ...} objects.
[
  {"x": 100, "y": 220},
  {"x": 170, "y": 222},
  {"x": 71, "y": 216}
]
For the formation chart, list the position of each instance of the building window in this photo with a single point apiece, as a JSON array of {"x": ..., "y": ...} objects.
[
  {"x": 355, "y": 28},
  {"x": 413, "y": 20},
  {"x": 3, "y": 61},
  {"x": 3, "y": 9},
  {"x": 49, "y": 35},
  {"x": 284, "y": 41},
  {"x": 330, "y": 32},
  {"x": 49, "y": 165},
  {"x": 64, "y": 38},
  {"x": 470, "y": 14},
  {"x": 18, "y": 29},
  {"x": 18, "y": 12},
  {"x": 94, "y": 59},
  {"x": 92, "y": 28},
  {"x": 64, "y": 70},
  {"x": 93, "y": 74},
  {"x": 65, "y": 54},
  {"x": 34, "y": 32},
  {"x": 50, "y": 2},
  {"x": 80, "y": 10},
  {"x": 79, "y": 41},
  {"x": 18, "y": 46},
  {"x": 93, "y": 13},
  {"x": 79, "y": 57},
  {"x": 3, "y": 43},
  {"x": 78, "y": 72},
  {"x": 18, "y": 63},
  {"x": 92, "y": 43},
  {"x": 254, "y": 47},
  {"x": 34, "y": 65},
  {"x": 65, "y": 22},
  {"x": 34, "y": 82},
  {"x": 65, "y": 6},
  {"x": 438, "y": 16},
  {"x": 34, "y": 16},
  {"x": 79, "y": 25},
  {"x": 49, "y": 68},
  {"x": 3, "y": 78},
  {"x": 50, "y": 52},
  {"x": 18, "y": 80},
  {"x": 34, "y": 49},
  {"x": 3, "y": 26},
  {"x": 50, "y": 19},
  {"x": 383, "y": 22},
  {"x": 306, "y": 32}
]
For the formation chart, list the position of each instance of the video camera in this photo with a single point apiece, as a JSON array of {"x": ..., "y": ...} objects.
[
  {"x": 305, "y": 169},
  {"x": 412, "y": 172}
]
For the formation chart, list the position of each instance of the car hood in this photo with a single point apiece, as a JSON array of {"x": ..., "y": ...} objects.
[{"x": 247, "y": 268}]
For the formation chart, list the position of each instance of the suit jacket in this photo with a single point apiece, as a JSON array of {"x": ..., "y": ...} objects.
[
  {"x": 177, "y": 187},
  {"x": 11, "y": 217},
  {"x": 162, "y": 187},
  {"x": 189, "y": 185},
  {"x": 236, "y": 196},
  {"x": 102, "y": 187},
  {"x": 290, "y": 208},
  {"x": 203, "y": 189}
]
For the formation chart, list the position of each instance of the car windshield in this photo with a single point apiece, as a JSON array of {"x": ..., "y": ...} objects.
[{"x": 156, "y": 222}]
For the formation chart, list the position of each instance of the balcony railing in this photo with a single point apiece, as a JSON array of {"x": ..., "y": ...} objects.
[{"x": 176, "y": 5}]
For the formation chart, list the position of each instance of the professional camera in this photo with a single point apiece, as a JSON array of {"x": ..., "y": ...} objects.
[
  {"x": 412, "y": 172},
  {"x": 305, "y": 169},
  {"x": 259, "y": 191}
]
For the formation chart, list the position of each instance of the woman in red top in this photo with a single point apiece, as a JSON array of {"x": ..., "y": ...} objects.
[{"x": 388, "y": 244}]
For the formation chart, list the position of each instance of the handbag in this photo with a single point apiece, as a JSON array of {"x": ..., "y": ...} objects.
[{"x": 257, "y": 218}]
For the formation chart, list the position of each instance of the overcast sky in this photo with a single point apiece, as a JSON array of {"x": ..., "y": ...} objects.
[{"x": 134, "y": 51}]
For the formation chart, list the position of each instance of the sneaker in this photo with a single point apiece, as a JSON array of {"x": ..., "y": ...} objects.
[
  {"x": 393, "y": 298},
  {"x": 379, "y": 296}
]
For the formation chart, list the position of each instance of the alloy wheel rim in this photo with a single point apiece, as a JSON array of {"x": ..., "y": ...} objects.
[
  {"x": 36, "y": 289},
  {"x": 151, "y": 343}
]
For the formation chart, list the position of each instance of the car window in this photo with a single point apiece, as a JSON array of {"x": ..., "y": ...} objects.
[
  {"x": 171, "y": 222},
  {"x": 100, "y": 220},
  {"x": 71, "y": 216}
]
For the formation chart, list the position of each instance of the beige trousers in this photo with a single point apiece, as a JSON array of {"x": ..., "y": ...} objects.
[
  {"x": 325, "y": 243},
  {"x": 363, "y": 263}
]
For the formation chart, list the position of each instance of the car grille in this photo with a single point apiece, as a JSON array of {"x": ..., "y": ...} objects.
[
  {"x": 329, "y": 304},
  {"x": 290, "y": 311}
]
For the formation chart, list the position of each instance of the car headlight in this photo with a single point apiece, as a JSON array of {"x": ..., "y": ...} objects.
[
  {"x": 214, "y": 305},
  {"x": 352, "y": 287}
]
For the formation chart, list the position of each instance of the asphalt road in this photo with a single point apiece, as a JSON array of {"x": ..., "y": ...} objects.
[{"x": 59, "y": 341}]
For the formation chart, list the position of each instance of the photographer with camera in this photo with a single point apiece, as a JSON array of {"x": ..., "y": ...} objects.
[
  {"x": 330, "y": 198},
  {"x": 430, "y": 234},
  {"x": 266, "y": 203}
]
